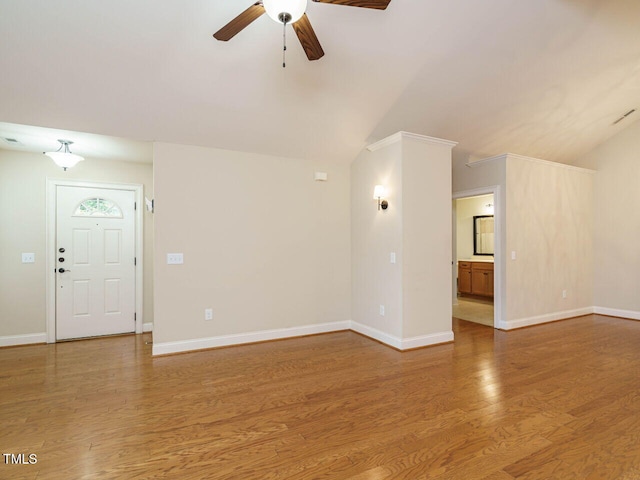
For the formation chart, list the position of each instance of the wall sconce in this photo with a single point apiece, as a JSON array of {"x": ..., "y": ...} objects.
[{"x": 378, "y": 194}]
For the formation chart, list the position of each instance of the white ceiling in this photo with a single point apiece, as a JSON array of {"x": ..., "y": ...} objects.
[{"x": 543, "y": 78}]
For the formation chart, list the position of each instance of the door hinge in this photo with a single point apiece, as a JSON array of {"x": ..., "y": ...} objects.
[
  {"x": 135, "y": 316},
  {"x": 135, "y": 260},
  {"x": 135, "y": 205}
]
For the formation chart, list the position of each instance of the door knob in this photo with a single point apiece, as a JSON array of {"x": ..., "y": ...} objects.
[{"x": 62, "y": 270}]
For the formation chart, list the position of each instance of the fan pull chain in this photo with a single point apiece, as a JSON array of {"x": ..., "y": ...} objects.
[{"x": 284, "y": 43}]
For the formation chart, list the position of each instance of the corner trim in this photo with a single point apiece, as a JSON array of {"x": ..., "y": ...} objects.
[
  {"x": 29, "y": 339},
  {"x": 396, "y": 137},
  {"x": 615, "y": 312},
  {"x": 167, "y": 348},
  {"x": 546, "y": 318}
]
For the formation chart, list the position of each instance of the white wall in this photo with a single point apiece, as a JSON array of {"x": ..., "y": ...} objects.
[
  {"x": 23, "y": 229},
  {"x": 416, "y": 172},
  {"x": 265, "y": 246},
  {"x": 617, "y": 223}
]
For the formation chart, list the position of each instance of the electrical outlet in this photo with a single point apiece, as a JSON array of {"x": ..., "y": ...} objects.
[
  {"x": 175, "y": 259},
  {"x": 564, "y": 294},
  {"x": 382, "y": 310},
  {"x": 392, "y": 257},
  {"x": 208, "y": 314},
  {"x": 28, "y": 258}
]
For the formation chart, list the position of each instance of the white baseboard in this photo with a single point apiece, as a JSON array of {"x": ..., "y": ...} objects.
[
  {"x": 378, "y": 335},
  {"x": 167, "y": 348},
  {"x": 427, "y": 340},
  {"x": 12, "y": 340},
  {"x": 147, "y": 327},
  {"x": 614, "y": 312},
  {"x": 549, "y": 317},
  {"x": 402, "y": 343}
]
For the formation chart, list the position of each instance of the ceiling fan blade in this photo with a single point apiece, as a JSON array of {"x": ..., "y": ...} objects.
[
  {"x": 308, "y": 38},
  {"x": 378, "y": 4},
  {"x": 240, "y": 22}
]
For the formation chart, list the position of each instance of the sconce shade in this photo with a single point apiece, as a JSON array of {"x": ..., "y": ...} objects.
[
  {"x": 63, "y": 156},
  {"x": 379, "y": 192},
  {"x": 295, "y": 8}
]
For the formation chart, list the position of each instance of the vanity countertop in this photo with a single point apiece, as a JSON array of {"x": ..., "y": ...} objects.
[{"x": 485, "y": 260}]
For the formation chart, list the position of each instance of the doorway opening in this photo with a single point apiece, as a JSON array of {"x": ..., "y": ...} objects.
[{"x": 476, "y": 260}]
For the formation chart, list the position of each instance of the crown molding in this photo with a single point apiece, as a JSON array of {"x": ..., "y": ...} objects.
[
  {"x": 515, "y": 156},
  {"x": 396, "y": 137}
]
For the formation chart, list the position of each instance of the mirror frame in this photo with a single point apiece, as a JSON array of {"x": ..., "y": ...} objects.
[{"x": 475, "y": 243}]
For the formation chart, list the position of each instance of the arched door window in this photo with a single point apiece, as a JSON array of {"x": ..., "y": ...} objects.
[{"x": 98, "y": 207}]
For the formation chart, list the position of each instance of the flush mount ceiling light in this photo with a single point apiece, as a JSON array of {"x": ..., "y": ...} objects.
[
  {"x": 290, "y": 12},
  {"x": 63, "y": 156}
]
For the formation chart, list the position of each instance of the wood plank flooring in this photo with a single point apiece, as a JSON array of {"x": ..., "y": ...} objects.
[{"x": 557, "y": 401}]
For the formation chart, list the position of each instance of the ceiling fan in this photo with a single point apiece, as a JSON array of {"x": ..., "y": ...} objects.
[{"x": 290, "y": 12}]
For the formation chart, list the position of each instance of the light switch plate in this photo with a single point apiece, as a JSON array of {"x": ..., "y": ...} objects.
[
  {"x": 28, "y": 258},
  {"x": 175, "y": 259},
  {"x": 392, "y": 257}
]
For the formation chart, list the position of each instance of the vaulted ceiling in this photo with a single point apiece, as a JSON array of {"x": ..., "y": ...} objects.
[{"x": 543, "y": 78}]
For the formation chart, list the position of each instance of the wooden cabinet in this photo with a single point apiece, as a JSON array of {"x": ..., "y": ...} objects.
[
  {"x": 475, "y": 278},
  {"x": 464, "y": 277}
]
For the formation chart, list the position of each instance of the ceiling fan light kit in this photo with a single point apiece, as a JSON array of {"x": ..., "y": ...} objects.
[
  {"x": 290, "y": 12},
  {"x": 285, "y": 11}
]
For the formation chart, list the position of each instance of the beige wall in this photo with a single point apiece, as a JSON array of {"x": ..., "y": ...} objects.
[
  {"x": 545, "y": 215},
  {"x": 550, "y": 228},
  {"x": 617, "y": 222},
  {"x": 374, "y": 235},
  {"x": 426, "y": 238},
  {"x": 23, "y": 178},
  {"x": 417, "y": 227},
  {"x": 265, "y": 246}
]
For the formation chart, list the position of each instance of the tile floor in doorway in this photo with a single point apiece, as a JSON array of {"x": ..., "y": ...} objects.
[{"x": 476, "y": 310}]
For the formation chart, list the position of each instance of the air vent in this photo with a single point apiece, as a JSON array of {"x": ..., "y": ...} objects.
[
  {"x": 624, "y": 116},
  {"x": 11, "y": 141}
]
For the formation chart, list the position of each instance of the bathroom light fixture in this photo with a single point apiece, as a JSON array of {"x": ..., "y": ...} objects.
[
  {"x": 379, "y": 193},
  {"x": 63, "y": 156}
]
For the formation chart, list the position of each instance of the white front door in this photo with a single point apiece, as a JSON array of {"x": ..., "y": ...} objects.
[{"x": 95, "y": 262}]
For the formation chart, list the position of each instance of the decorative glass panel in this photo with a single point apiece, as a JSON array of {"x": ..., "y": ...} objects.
[{"x": 98, "y": 207}]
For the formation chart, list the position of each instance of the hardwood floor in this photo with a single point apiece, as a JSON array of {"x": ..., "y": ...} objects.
[{"x": 557, "y": 401}]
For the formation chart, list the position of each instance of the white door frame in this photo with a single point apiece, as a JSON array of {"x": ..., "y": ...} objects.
[
  {"x": 52, "y": 185},
  {"x": 498, "y": 257}
]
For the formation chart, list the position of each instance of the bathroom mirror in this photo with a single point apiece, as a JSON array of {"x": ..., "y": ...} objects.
[{"x": 483, "y": 239}]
